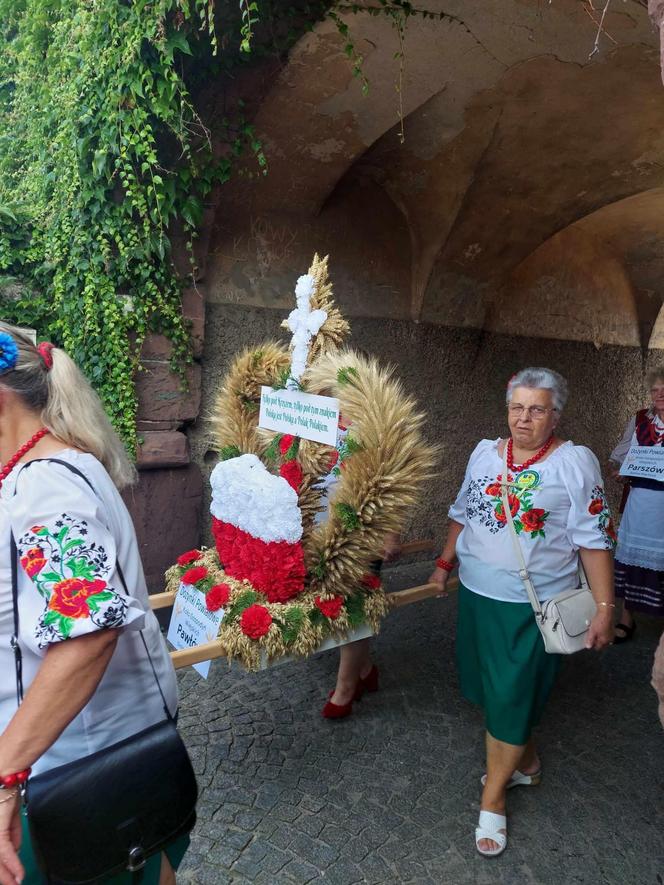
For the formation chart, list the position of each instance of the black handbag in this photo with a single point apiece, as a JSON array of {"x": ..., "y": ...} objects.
[{"x": 106, "y": 813}]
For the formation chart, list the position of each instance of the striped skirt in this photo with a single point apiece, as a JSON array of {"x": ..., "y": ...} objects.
[{"x": 641, "y": 588}]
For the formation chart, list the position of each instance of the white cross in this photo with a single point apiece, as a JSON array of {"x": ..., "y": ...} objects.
[{"x": 304, "y": 323}]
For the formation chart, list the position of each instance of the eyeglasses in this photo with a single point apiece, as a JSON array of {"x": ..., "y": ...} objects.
[{"x": 537, "y": 413}]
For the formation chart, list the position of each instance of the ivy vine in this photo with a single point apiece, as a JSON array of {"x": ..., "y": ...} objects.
[{"x": 101, "y": 153}]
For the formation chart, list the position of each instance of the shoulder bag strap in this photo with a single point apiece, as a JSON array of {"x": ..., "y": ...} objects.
[
  {"x": 14, "y": 554},
  {"x": 16, "y": 648},
  {"x": 523, "y": 570}
]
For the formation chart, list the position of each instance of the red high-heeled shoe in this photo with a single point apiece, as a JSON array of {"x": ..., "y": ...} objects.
[
  {"x": 336, "y": 711},
  {"x": 369, "y": 683}
]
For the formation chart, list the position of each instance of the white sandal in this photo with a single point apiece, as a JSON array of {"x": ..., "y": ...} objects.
[
  {"x": 519, "y": 779},
  {"x": 489, "y": 827}
]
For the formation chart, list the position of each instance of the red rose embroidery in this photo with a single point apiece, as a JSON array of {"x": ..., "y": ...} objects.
[
  {"x": 33, "y": 561},
  {"x": 217, "y": 597},
  {"x": 514, "y": 503},
  {"x": 371, "y": 581},
  {"x": 494, "y": 490},
  {"x": 188, "y": 557},
  {"x": 286, "y": 442},
  {"x": 70, "y": 597},
  {"x": 331, "y": 608},
  {"x": 194, "y": 575},
  {"x": 596, "y": 506},
  {"x": 533, "y": 520},
  {"x": 292, "y": 473},
  {"x": 38, "y": 529},
  {"x": 255, "y": 621}
]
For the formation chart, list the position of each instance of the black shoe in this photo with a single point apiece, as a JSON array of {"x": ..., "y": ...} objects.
[{"x": 629, "y": 632}]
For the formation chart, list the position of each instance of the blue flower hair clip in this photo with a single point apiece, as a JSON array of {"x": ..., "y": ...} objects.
[{"x": 8, "y": 353}]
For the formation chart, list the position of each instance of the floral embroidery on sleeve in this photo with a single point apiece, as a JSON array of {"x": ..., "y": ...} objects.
[
  {"x": 68, "y": 570},
  {"x": 599, "y": 507}
]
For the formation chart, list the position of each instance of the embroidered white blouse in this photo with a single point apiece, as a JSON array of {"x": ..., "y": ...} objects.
[
  {"x": 558, "y": 506},
  {"x": 70, "y": 540}
]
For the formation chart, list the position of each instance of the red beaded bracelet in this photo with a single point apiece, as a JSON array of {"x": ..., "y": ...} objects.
[
  {"x": 12, "y": 780},
  {"x": 444, "y": 564}
]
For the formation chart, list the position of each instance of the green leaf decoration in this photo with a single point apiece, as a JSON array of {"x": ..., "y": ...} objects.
[
  {"x": 354, "y": 606},
  {"x": 77, "y": 542},
  {"x": 347, "y": 375},
  {"x": 51, "y": 617},
  {"x": 81, "y": 568},
  {"x": 66, "y": 626},
  {"x": 317, "y": 618},
  {"x": 292, "y": 624},
  {"x": 293, "y": 449},
  {"x": 271, "y": 454},
  {"x": 320, "y": 568},
  {"x": 348, "y": 516},
  {"x": 50, "y": 576},
  {"x": 228, "y": 452},
  {"x": 351, "y": 445},
  {"x": 244, "y": 600}
]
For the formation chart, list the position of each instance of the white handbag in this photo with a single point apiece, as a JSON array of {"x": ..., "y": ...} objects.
[{"x": 563, "y": 620}]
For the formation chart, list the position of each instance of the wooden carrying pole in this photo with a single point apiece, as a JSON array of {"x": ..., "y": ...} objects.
[{"x": 210, "y": 651}]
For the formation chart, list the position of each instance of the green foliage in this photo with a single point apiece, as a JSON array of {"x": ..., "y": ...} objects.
[
  {"x": 243, "y": 602},
  {"x": 348, "y": 516},
  {"x": 101, "y": 151},
  {"x": 354, "y": 606},
  {"x": 346, "y": 375},
  {"x": 292, "y": 624},
  {"x": 228, "y": 452}
]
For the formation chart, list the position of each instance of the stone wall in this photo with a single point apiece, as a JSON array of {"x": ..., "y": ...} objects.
[{"x": 459, "y": 377}]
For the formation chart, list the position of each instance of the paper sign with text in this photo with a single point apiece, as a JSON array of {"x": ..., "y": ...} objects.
[
  {"x": 192, "y": 624},
  {"x": 644, "y": 461},
  {"x": 301, "y": 414}
]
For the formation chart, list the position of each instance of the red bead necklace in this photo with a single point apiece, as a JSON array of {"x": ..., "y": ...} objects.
[
  {"x": 13, "y": 461},
  {"x": 517, "y": 468}
]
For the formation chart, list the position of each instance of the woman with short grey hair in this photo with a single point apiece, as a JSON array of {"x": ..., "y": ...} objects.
[{"x": 559, "y": 512}]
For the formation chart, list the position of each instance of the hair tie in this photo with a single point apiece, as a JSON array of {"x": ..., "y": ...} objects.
[
  {"x": 8, "y": 353},
  {"x": 46, "y": 353}
]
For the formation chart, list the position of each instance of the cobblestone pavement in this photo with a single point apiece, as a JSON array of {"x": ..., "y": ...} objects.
[{"x": 391, "y": 794}]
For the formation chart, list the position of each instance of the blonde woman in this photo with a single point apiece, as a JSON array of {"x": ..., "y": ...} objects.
[{"x": 87, "y": 680}]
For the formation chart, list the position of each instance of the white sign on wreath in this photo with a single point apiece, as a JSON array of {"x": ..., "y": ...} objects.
[
  {"x": 301, "y": 414},
  {"x": 192, "y": 624}
]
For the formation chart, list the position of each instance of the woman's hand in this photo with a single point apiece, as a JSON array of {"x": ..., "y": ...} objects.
[
  {"x": 439, "y": 576},
  {"x": 600, "y": 632},
  {"x": 11, "y": 869}
]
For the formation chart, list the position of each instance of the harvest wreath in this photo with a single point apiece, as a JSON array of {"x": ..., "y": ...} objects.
[{"x": 297, "y": 523}]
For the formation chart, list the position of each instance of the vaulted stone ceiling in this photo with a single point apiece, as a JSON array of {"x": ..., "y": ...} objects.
[{"x": 528, "y": 196}]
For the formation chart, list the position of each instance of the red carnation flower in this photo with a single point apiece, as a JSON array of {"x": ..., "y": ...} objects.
[
  {"x": 533, "y": 520},
  {"x": 255, "y": 621},
  {"x": 334, "y": 457},
  {"x": 188, "y": 557},
  {"x": 596, "y": 506},
  {"x": 194, "y": 575},
  {"x": 331, "y": 608},
  {"x": 286, "y": 442},
  {"x": 292, "y": 473},
  {"x": 217, "y": 597},
  {"x": 371, "y": 581}
]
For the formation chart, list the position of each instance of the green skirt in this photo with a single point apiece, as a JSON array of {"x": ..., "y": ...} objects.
[
  {"x": 150, "y": 873},
  {"x": 502, "y": 664}
]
